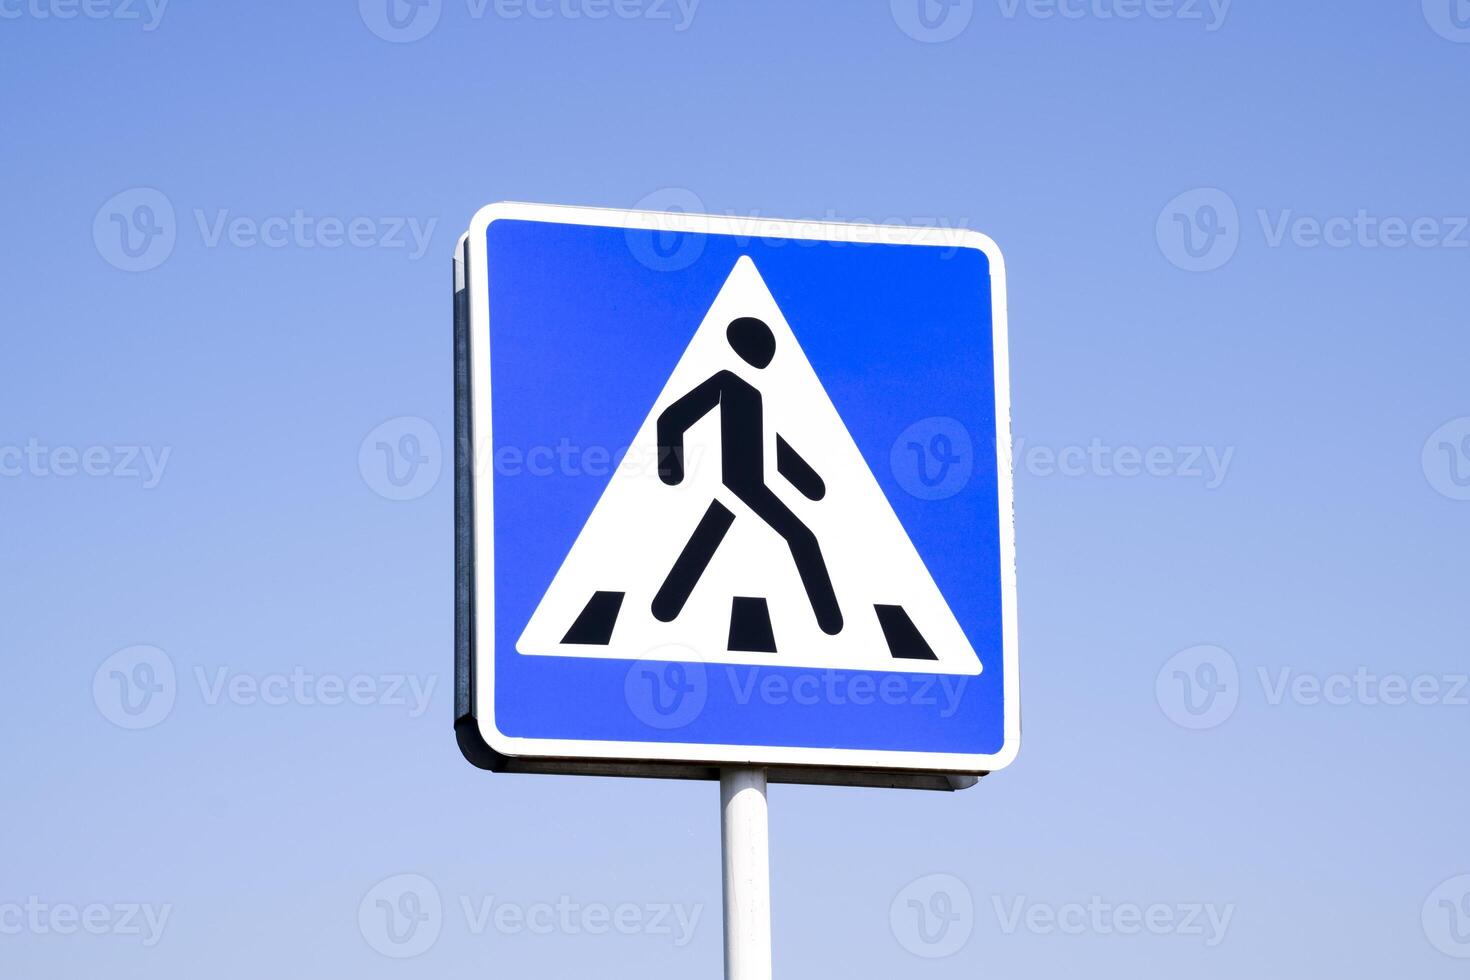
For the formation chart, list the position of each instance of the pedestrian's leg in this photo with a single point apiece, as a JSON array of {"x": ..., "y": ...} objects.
[
  {"x": 692, "y": 562},
  {"x": 807, "y": 554},
  {"x": 813, "y": 570}
]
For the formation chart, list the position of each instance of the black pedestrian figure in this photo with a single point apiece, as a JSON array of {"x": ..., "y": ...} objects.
[{"x": 742, "y": 470}]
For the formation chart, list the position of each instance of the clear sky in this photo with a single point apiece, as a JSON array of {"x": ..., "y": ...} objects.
[{"x": 1239, "y": 272}]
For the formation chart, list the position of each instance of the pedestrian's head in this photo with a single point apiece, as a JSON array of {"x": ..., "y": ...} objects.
[{"x": 752, "y": 340}]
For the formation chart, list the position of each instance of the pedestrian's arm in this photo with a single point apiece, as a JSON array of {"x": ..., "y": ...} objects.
[
  {"x": 675, "y": 421},
  {"x": 798, "y": 471}
]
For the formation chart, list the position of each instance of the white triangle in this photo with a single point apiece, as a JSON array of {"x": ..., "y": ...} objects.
[{"x": 641, "y": 525}]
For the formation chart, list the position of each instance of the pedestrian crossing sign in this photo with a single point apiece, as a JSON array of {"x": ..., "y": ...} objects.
[{"x": 733, "y": 491}]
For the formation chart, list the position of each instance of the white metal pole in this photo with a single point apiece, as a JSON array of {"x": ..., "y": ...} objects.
[{"x": 746, "y": 849}]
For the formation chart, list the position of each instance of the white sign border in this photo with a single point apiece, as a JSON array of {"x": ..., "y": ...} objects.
[{"x": 483, "y": 666}]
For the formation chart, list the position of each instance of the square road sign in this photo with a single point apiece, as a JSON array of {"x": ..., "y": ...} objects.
[{"x": 733, "y": 492}]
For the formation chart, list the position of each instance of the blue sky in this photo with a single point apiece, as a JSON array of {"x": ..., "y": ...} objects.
[{"x": 1236, "y": 244}]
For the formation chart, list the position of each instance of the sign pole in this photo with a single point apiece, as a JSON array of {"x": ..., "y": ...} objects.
[{"x": 745, "y": 849}]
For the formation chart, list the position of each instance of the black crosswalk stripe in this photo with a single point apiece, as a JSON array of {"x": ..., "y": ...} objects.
[
  {"x": 750, "y": 626},
  {"x": 904, "y": 639},
  {"x": 594, "y": 624}
]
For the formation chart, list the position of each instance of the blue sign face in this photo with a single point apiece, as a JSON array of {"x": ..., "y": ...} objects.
[{"x": 741, "y": 493}]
